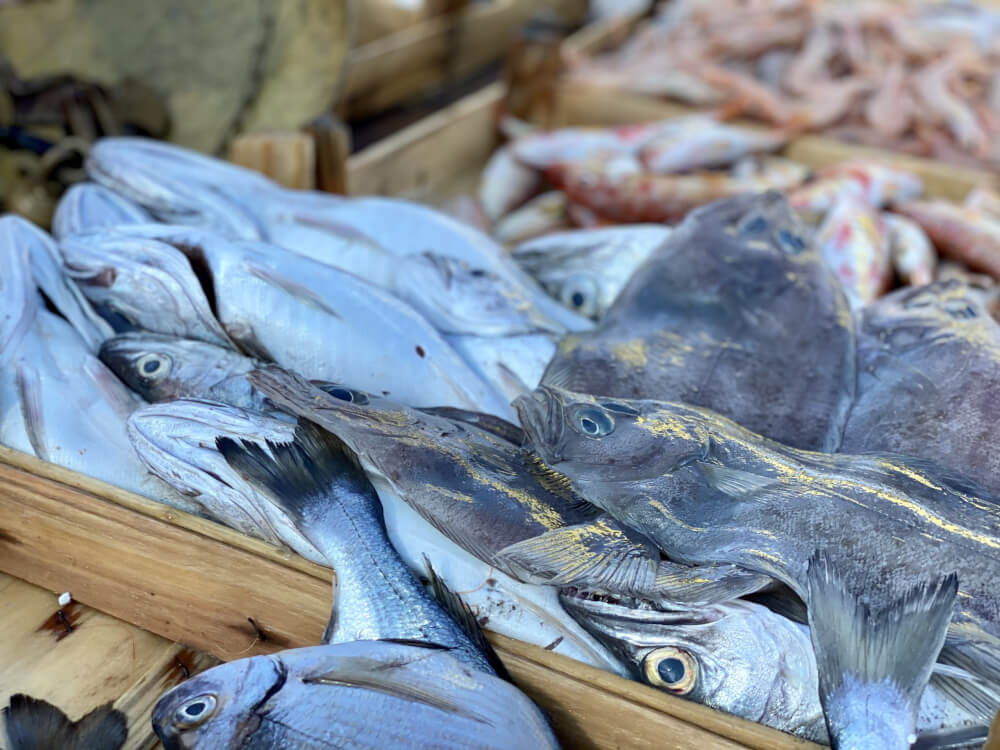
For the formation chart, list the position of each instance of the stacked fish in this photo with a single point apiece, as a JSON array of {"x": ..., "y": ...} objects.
[
  {"x": 913, "y": 75},
  {"x": 869, "y": 224},
  {"x": 693, "y": 497}
]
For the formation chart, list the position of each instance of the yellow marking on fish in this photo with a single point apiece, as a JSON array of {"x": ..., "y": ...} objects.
[
  {"x": 569, "y": 344},
  {"x": 767, "y": 556},
  {"x": 454, "y": 494},
  {"x": 915, "y": 476},
  {"x": 668, "y": 427},
  {"x": 791, "y": 276},
  {"x": 632, "y": 353},
  {"x": 731, "y": 230},
  {"x": 758, "y": 245},
  {"x": 541, "y": 512},
  {"x": 662, "y": 508}
]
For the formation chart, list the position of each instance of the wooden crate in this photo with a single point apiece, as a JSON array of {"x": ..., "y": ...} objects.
[
  {"x": 403, "y": 66},
  {"x": 197, "y": 583}
]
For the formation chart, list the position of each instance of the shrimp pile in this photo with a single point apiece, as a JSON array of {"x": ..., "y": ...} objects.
[{"x": 910, "y": 75}]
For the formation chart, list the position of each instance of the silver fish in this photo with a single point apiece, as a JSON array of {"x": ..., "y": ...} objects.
[
  {"x": 88, "y": 205},
  {"x": 368, "y": 694},
  {"x": 177, "y": 440},
  {"x": 586, "y": 269},
  {"x": 506, "y": 183}
]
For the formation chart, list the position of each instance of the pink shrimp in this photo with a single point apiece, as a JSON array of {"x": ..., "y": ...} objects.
[
  {"x": 890, "y": 109},
  {"x": 933, "y": 87}
]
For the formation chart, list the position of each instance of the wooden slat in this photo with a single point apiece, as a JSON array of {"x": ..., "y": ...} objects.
[
  {"x": 83, "y": 658},
  {"x": 167, "y": 577}
]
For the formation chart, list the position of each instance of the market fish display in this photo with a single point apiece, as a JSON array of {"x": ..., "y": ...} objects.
[
  {"x": 177, "y": 441},
  {"x": 721, "y": 315},
  {"x": 917, "y": 77},
  {"x": 586, "y": 269},
  {"x": 362, "y": 694}
]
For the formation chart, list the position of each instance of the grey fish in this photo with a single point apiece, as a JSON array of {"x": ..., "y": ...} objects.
[
  {"x": 929, "y": 380},
  {"x": 738, "y": 657},
  {"x": 88, "y": 205},
  {"x": 177, "y": 441},
  {"x": 33, "y": 724},
  {"x": 586, "y": 269},
  {"x": 735, "y": 312},
  {"x": 488, "y": 495},
  {"x": 367, "y": 694},
  {"x": 709, "y": 491}
]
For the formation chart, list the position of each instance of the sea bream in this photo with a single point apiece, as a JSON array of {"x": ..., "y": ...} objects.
[
  {"x": 735, "y": 312},
  {"x": 274, "y": 304},
  {"x": 929, "y": 380},
  {"x": 587, "y": 268},
  {"x": 177, "y": 441},
  {"x": 707, "y": 490}
]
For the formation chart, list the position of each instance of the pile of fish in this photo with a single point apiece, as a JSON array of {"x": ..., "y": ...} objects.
[
  {"x": 727, "y": 480},
  {"x": 919, "y": 76},
  {"x": 869, "y": 221}
]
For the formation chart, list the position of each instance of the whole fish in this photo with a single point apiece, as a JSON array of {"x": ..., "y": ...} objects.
[
  {"x": 366, "y": 694},
  {"x": 701, "y": 141},
  {"x": 716, "y": 655},
  {"x": 274, "y": 304},
  {"x": 88, "y": 205},
  {"x": 474, "y": 483},
  {"x": 854, "y": 243},
  {"x": 879, "y": 185},
  {"x": 707, "y": 490},
  {"x": 929, "y": 380},
  {"x": 177, "y": 441},
  {"x": 966, "y": 235},
  {"x": 913, "y": 255},
  {"x": 549, "y": 148},
  {"x": 506, "y": 183},
  {"x": 718, "y": 316},
  {"x": 586, "y": 269}
]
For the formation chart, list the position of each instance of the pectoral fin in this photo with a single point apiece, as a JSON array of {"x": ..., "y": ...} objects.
[
  {"x": 702, "y": 585},
  {"x": 599, "y": 554},
  {"x": 736, "y": 483}
]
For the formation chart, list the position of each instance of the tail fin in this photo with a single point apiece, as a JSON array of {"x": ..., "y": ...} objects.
[
  {"x": 300, "y": 473},
  {"x": 874, "y": 664},
  {"x": 33, "y": 724}
]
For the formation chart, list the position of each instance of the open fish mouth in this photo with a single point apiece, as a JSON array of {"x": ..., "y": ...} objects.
[
  {"x": 541, "y": 415},
  {"x": 598, "y": 606}
]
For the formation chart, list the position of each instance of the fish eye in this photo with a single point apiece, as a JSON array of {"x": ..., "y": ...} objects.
[
  {"x": 477, "y": 273},
  {"x": 672, "y": 669},
  {"x": 346, "y": 394},
  {"x": 790, "y": 242},
  {"x": 195, "y": 712},
  {"x": 591, "y": 421},
  {"x": 579, "y": 293},
  {"x": 959, "y": 309},
  {"x": 153, "y": 366},
  {"x": 755, "y": 225}
]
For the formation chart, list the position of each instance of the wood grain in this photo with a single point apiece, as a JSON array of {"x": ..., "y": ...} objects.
[{"x": 85, "y": 658}]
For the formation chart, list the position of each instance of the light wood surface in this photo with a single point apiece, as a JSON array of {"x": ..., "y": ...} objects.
[
  {"x": 288, "y": 158},
  {"x": 78, "y": 658}
]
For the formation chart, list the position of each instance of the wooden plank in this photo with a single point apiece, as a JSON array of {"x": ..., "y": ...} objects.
[
  {"x": 393, "y": 69},
  {"x": 580, "y": 104},
  {"x": 288, "y": 158},
  {"x": 168, "y": 578},
  {"x": 83, "y": 658}
]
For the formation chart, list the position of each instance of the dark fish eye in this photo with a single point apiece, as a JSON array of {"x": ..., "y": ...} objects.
[
  {"x": 791, "y": 242},
  {"x": 577, "y": 299},
  {"x": 195, "y": 712},
  {"x": 959, "y": 309},
  {"x": 755, "y": 225},
  {"x": 153, "y": 366},
  {"x": 591, "y": 421},
  {"x": 673, "y": 669},
  {"x": 579, "y": 292},
  {"x": 346, "y": 394},
  {"x": 620, "y": 408},
  {"x": 477, "y": 273}
]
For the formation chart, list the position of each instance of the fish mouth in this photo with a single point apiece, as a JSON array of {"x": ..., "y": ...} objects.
[
  {"x": 595, "y": 606},
  {"x": 542, "y": 416}
]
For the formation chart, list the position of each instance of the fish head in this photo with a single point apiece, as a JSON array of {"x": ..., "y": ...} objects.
[
  {"x": 162, "y": 368},
  {"x": 909, "y": 314},
  {"x": 458, "y": 298},
  {"x": 219, "y": 708},
  {"x": 738, "y": 657},
  {"x": 592, "y": 438},
  {"x": 357, "y": 413}
]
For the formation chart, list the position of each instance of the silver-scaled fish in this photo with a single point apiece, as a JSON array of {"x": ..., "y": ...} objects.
[
  {"x": 586, "y": 269},
  {"x": 367, "y": 694},
  {"x": 87, "y": 206},
  {"x": 734, "y": 312},
  {"x": 177, "y": 440}
]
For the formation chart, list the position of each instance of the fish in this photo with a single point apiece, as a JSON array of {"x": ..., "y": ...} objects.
[
  {"x": 274, "y": 303},
  {"x": 87, "y": 206},
  {"x": 545, "y": 149},
  {"x": 700, "y": 141},
  {"x": 586, "y": 269},
  {"x": 929, "y": 379},
  {"x": 879, "y": 185},
  {"x": 506, "y": 183},
  {"x": 473, "y": 482},
  {"x": 966, "y": 235},
  {"x": 913, "y": 255},
  {"x": 34, "y": 724},
  {"x": 719, "y": 316},
  {"x": 177, "y": 441},
  {"x": 854, "y": 243},
  {"x": 542, "y": 214},
  {"x": 707, "y": 490},
  {"x": 719, "y": 655},
  {"x": 372, "y": 693},
  {"x": 162, "y": 368}
]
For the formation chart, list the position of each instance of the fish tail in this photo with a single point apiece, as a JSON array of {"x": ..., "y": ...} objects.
[
  {"x": 874, "y": 663},
  {"x": 31, "y": 723}
]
